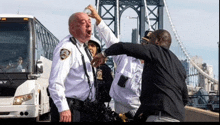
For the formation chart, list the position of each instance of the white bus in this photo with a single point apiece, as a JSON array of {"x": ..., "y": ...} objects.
[{"x": 26, "y": 50}]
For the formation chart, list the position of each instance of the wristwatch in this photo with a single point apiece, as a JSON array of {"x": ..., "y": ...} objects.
[{"x": 103, "y": 53}]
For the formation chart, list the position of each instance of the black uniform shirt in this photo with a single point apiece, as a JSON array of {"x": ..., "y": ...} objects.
[
  {"x": 163, "y": 78},
  {"x": 104, "y": 81}
]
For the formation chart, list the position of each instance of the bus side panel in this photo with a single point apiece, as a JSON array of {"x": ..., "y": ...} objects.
[
  {"x": 43, "y": 81},
  {"x": 28, "y": 109}
]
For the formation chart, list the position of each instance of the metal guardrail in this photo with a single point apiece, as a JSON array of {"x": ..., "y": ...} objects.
[
  {"x": 194, "y": 114},
  {"x": 208, "y": 102}
]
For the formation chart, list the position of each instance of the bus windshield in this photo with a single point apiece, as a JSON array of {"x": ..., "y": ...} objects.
[{"x": 14, "y": 47}]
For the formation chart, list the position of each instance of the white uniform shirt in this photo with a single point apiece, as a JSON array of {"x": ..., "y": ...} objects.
[
  {"x": 67, "y": 77},
  {"x": 126, "y": 65}
]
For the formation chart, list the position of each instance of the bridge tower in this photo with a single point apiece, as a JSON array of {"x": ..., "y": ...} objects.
[{"x": 111, "y": 11}]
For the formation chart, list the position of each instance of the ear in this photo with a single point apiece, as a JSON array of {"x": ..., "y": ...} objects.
[
  {"x": 158, "y": 41},
  {"x": 71, "y": 29}
]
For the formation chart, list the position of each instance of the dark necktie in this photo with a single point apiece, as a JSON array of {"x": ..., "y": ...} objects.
[{"x": 88, "y": 52}]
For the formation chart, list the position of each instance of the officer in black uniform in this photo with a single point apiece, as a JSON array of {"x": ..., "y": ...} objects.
[
  {"x": 103, "y": 75},
  {"x": 103, "y": 79}
]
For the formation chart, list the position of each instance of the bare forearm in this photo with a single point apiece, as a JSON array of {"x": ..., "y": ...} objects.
[{"x": 98, "y": 20}]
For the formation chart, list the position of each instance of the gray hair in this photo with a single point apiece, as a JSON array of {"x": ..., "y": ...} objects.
[{"x": 72, "y": 18}]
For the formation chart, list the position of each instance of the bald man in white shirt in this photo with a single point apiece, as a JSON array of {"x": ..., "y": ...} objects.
[{"x": 68, "y": 80}]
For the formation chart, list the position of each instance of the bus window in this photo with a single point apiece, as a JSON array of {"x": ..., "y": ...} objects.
[{"x": 14, "y": 46}]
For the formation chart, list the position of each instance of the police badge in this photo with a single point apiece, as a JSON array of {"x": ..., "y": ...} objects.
[
  {"x": 99, "y": 74},
  {"x": 64, "y": 53}
]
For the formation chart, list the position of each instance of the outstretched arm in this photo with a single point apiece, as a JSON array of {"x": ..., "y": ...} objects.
[
  {"x": 135, "y": 50},
  {"x": 145, "y": 52}
]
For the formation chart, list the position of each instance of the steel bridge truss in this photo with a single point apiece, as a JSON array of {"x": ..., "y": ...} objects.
[
  {"x": 112, "y": 10},
  {"x": 149, "y": 12}
]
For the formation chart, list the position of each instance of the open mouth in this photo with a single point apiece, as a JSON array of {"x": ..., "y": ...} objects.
[{"x": 89, "y": 32}]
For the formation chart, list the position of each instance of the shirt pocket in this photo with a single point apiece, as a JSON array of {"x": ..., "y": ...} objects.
[{"x": 129, "y": 76}]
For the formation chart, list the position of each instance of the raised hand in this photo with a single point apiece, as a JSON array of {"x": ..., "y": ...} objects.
[{"x": 94, "y": 14}]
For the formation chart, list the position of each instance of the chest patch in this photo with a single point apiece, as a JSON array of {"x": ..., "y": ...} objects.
[{"x": 64, "y": 53}]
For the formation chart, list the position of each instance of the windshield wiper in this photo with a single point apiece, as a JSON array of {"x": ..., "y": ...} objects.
[{"x": 9, "y": 78}]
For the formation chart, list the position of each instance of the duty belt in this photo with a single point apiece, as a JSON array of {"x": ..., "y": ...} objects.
[{"x": 82, "y": 106}]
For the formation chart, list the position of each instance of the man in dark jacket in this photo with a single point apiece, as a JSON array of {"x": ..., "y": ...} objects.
[{"x": 164, "y": 91}]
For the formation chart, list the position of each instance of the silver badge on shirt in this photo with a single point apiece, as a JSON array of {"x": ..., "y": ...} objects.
[{"x": 64, "y": 53}]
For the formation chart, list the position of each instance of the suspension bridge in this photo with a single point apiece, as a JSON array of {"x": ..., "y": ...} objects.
[{"x": 153, "y": 15}]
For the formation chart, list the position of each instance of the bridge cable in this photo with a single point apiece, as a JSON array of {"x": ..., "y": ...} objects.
[{"x": 183, "y": 49}]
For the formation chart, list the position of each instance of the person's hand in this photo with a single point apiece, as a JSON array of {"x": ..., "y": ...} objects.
[
  {"x": 94, "y": 14},
  {"x": 123, "y": 117},
  {"x": 98, "y": 60},
  {"x": 65, "y": 116}
]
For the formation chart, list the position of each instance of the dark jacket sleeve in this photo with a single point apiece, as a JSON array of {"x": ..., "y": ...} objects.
[
  {"x": 185, "y": 95},
  {"x": 145, "y": 52}
]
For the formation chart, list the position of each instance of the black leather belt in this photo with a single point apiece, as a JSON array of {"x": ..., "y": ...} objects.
[
  {"x": 75, "y": 101},
  {"x": 82, "y": 106}
]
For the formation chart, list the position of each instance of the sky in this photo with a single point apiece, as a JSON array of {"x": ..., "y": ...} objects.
[{"x": 196, "y": 21}]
